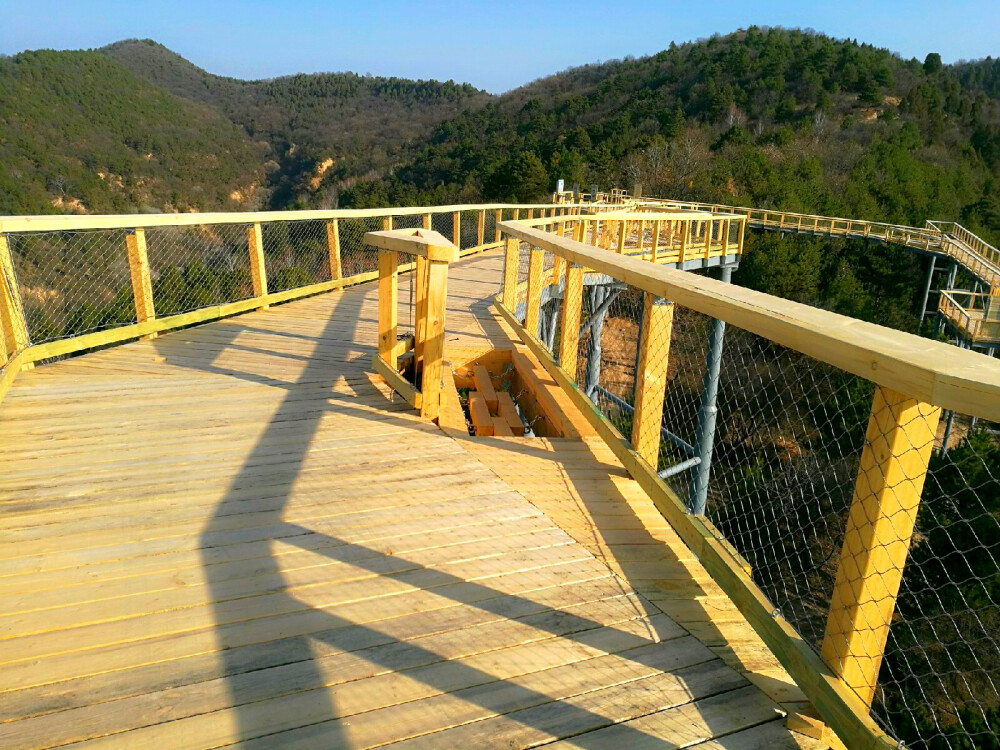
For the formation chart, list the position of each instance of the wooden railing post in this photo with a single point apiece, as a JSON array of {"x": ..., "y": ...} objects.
[
  {"x": 481, "y": 228},
  {"x": 258, "y": 270},
  {"x": 641, "y": 224},
  {"x": 651, "y": 376},
  {"x": 388, "y": 306},
  {"x": 333, "y": 247},
  {"x": 622, "y": 231},
  {"x": 13, "y": 328},
  {"x": 511, "y": 260},
  {"x": 891, "y": 476},
  {"x": 138, "y": 266},
  {"x": 569, "y": 341},
  {"x": 654, "y": 253},
  {"x": 531, "y": 312},
  {"x": 685, "y": 234},
  {"x": 496, "y": 225},
  {"x": 430, "y": 381},
  {"x": 456, "y": 229},
  {"x": 419, "y": 313},
  {"x": 387, "y": 224}
]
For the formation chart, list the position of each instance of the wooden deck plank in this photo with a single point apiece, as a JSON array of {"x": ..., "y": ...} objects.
[{"x": 194, "y": 552}]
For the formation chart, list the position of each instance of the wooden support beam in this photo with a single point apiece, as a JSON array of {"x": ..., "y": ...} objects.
[
  {"x": 456, "y": 229},
  {"x": 482, "y": 421},
  {"x": 651, "y": 376},
  {"x": 258, "y": 270},
  {"x": 508, "y": 410},
  {"x": 451, "y": 417},
  {"x": 138, "y": 266},
  {"x": 480, "y": 227},
  {"x": 501, "y": 428},
  {"x": 890, "y": 479},
  {"x": 569, "y": 339},
  {"x": 511, "y": 260},
  {"x": 419, "y": 282},
  {"x": 485, "y": 386},
  {"x": 430, "y": 381},
  {"x": 333, "y": 247},
  {"x": 13, "y": 329},
  {"x": 397, "y": 382},
  {"x": 535, "y": 260},
  {"x": 387, "y": 306}
]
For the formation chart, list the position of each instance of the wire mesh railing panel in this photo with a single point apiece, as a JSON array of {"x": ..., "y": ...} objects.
[
  {"x": 195, "y": 267},
  {"x": 939, "y": 685},
  {"x": 609, "y": 336},
  {"x": 408, "y": 221},
  {"x": 490, "y": 227},
  {"x": 72, "y": 282},
  {"x": 296, "y": 253},
  {"x": 356, "y": 257},
  {"x": 785, "y": 454},
  {"x": 469, "y": 229},
  {"x": 443, "y": 224},
  {"x": 685, "y": 376}
]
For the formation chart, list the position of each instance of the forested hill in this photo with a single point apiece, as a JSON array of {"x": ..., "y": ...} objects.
[
  {"x": 331, "y": 126},
  {"x": 765, "y": 117},
  {"x": 80, "y": 133}
]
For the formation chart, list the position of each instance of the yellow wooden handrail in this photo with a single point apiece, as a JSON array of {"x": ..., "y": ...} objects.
[
  {"x": 915, "y": 377},
  {"x": 45, "y": 223},
  {"x": 935, "y": 372}
]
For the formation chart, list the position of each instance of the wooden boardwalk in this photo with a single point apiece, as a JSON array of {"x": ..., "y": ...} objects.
[{"x": 231, "y": 535}]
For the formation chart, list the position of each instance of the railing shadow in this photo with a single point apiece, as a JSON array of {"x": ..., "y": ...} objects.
[{"x": 317, "y": 702}]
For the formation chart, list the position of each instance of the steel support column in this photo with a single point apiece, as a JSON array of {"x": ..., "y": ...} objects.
[
  {"x": 593, "y": 377},
  {"x": 708, "y": 412},
  {"x": 927, "y": 288}
]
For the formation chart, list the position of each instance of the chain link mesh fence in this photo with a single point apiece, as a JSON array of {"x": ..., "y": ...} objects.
[
  {"x": 195, "y": 267},
  {"x": 78, "y": 281},
  {"x": 72, "y": 282},
  {"x": 296, "y": 253},
  {"x": 775, "y": 458}
]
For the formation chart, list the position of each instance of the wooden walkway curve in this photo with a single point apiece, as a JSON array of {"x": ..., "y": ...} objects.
[{"x": 232, "y": 535}]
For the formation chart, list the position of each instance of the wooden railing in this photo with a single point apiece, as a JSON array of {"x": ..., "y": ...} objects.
[
  {"x": 662, "y": 237},
  {"x": 948, "y": 238},
  {"x": 472, "y": 228},
  {"x": 914, "y": 377},
  {"x": 977, "y": 316},
  {"x": 432, "y": 254}
]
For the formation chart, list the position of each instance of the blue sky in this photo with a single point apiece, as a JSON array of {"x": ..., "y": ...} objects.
[{"x": 496, "y": 46}]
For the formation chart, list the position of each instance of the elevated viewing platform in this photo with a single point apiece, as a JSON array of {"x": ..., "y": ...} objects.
[{"x": 465, "y": 476}]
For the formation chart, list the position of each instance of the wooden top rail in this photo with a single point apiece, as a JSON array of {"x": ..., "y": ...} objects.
[
  {"x": 52, "y": 223},
  {"x": 931, "y": 371},
  {"x": 758, "y": 214},
  {"x": 423, "y": 243}
]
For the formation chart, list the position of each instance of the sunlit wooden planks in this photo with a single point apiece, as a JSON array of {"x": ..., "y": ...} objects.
[{"x": 304, "y": 557}]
